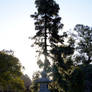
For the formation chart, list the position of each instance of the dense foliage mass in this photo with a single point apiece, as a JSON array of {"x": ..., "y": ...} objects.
[
  {"x": 81, "y": 77},
  {"x": 65, "y": 74},
  {"x": 51, "y": 43},
  {"x": 10, "y": 72}
]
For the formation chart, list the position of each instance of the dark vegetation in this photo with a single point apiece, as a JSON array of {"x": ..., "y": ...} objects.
[
  {"x": 11, "y": 76},
  {"x": 68, "y": 55},
  {"x": 68, "y": 69}
]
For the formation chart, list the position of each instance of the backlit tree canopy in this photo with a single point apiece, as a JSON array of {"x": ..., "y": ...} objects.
[
  {"x": 85, "y": 43},
  {"x": 47, "y": 23}
]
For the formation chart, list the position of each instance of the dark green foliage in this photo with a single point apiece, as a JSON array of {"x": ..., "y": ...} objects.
[
  {"x": 81, "y": 78},
  {"x": 62, "y": 66},
  {"x": 47, "y": 23},
  {"x": 47, "y": 6},
  {"x": 77, "y": 81},
  {"x": 49, "y": 42}
]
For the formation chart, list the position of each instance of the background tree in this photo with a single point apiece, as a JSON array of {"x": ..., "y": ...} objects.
[
  {"x": 35, "y": 86},
  {"x": 10, "y": 72},
  {"x": 27, "y": 82},
  {"x": 84, "y": 47},
  {"x": 80, "y": 78}
]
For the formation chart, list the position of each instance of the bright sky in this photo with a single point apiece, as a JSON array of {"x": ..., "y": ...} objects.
[{"x": 16, "y": 25}]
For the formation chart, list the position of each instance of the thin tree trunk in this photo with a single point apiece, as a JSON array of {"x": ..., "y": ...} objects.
[{"x": 45, "y": 41}]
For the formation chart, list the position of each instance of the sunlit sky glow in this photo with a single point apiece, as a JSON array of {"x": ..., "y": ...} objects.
[{"x": 16, "y": 25}]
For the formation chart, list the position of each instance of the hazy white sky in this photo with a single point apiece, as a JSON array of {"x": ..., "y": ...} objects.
[{"x": 16, "y": 25}]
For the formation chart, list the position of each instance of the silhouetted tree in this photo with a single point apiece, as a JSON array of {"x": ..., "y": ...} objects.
[
  {"x": 50, "y": 43},
  {"x": 47, "y": 24}
]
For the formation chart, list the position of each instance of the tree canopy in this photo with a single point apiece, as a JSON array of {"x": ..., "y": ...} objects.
[
  {"x": 10, "y": 72},
  {"x": 84, "y": 47}
]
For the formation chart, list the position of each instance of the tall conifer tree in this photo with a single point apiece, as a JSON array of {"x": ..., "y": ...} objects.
[
  {"x": 47, "y": 24},
  {"x": 50, "y": 42}
]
